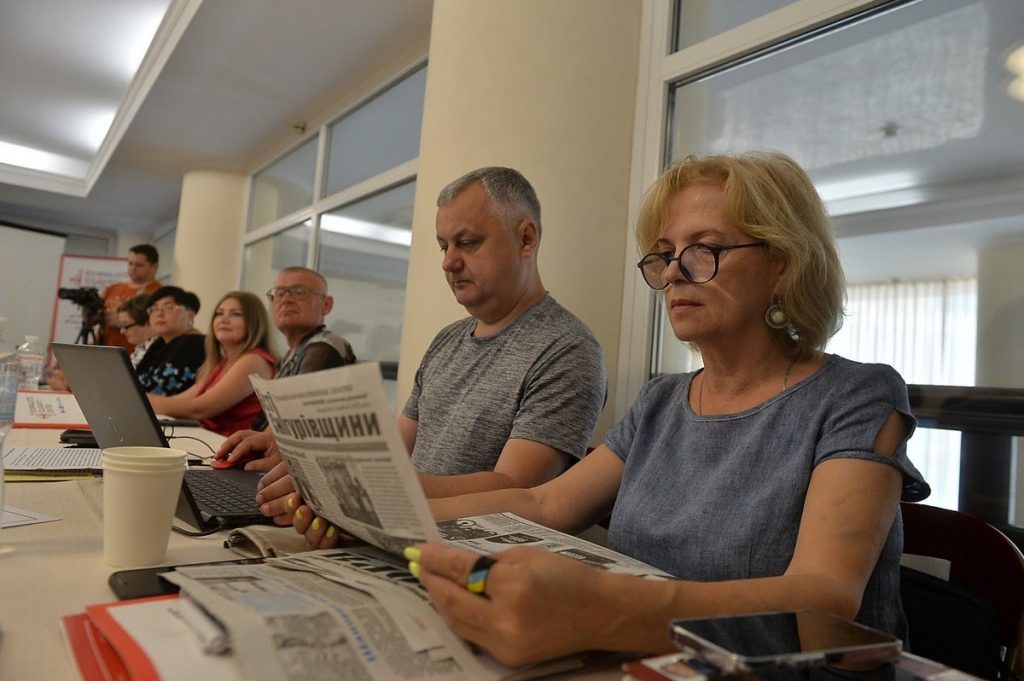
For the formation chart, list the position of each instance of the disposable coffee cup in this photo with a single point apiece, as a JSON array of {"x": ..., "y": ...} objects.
[{"x": 140, "y": 491}]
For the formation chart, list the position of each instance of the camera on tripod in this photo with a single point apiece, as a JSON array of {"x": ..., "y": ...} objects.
[{"x": 87, "y": 298}]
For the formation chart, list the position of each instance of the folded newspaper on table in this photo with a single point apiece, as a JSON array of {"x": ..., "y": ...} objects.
[{"x": 355, "y": 612}]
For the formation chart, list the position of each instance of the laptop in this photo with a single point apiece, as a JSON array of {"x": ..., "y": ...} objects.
[{"x": 113, "y": 402}]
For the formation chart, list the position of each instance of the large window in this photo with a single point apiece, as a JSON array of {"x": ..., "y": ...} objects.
[
  {"x": 341, "y": 202},
  {"x": 284, "y": 187},
  {"x": 901, "y": 114}
]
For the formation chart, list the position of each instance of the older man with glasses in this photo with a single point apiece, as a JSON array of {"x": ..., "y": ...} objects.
[{"x": 300, "y": 303}]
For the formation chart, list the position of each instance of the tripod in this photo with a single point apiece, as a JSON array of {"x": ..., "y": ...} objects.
[{"x": 87, "y": 335}]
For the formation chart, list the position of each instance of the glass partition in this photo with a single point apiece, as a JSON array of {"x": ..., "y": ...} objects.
[
  {"x": 284, "y": 187},
  {"x": 381, "y": 134},
  {"x": 902, "y": 118},
  {"x": 263, "y": 259},
  {"x": 364, "y": 254},
  {"x": 697, "y": 20}
]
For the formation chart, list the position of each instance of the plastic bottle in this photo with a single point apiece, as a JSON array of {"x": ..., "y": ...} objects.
[
  {"x": 5, "y": 350},
  {"x": 31, "y": 360}
]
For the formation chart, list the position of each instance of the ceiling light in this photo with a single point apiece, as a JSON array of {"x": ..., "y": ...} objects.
[
  {"x": 366, "y": 230},
  {"x": 1015, "y": 61},
  {"x": 37, "y": 159},
  {"x": 1016, "y": 88},
  {"x": 866, "y": 185}
]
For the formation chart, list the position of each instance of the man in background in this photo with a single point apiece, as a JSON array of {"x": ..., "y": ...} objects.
[
  {"x": 143, "y": 262},
  {"x": 300, "y": 305},
  {"x": 506, "y": 397}
]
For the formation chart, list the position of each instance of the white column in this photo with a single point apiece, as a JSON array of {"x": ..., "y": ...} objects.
[
  {"x": 208, "y": 237},
  {"x": 547, "y": 88}
]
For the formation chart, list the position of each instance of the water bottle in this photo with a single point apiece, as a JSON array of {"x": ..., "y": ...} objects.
[
  {"x": 31, "y": 360},
  {"x": 9, "y": 375}
]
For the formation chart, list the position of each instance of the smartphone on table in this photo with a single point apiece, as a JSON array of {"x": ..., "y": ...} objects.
[
  {"x": 784, "y": 640},
  {"x": 142, "y": 582}
]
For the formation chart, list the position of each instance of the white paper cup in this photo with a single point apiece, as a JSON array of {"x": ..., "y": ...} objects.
[{"x": 140, "y": 492}]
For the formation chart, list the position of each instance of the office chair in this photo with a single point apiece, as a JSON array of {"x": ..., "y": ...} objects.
[{"x": 973, "y": 621}]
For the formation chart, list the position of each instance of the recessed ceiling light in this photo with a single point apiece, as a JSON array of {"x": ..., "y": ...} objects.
[
  {"x": 1016, "y": 88},
  {"x": 1015, "y": 61},
  {"x": 43, "y": 161}
]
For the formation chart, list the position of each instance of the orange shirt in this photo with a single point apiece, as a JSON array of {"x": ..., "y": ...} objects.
[{"x": 114, "y": 295}]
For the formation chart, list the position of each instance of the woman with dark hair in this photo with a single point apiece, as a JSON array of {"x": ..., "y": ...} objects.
[
  {"x": 237, "y": 346},
  {"x": 173, "y": 360},
  {"x": 133, "y": 322}
]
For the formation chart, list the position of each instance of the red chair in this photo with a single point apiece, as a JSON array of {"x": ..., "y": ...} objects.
[{"x": 979, "y": 610}]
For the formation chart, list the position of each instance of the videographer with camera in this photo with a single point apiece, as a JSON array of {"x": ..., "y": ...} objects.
[{"x": 143, "y": 262}]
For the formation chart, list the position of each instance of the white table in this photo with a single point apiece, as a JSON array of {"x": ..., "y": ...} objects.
[{"x": 54, "y": 569}]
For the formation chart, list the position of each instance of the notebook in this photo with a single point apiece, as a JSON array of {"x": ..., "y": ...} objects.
[{"x": 115, "y": 406}]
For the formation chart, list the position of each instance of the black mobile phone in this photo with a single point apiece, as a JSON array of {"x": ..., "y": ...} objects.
[
  {"x": 183, "y": 423},
  {"x": 780, "y": 640},
  {"x": 78, "y": 437},
  {"x": 142, "y": 582}
]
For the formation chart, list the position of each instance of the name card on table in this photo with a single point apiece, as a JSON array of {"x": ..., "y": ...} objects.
[{"x": 47, "y": 409}]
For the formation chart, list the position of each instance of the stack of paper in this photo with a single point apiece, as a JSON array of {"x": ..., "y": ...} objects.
[
  {"x": 140, "y": 640},
  {"x": 27, "y": 464}
]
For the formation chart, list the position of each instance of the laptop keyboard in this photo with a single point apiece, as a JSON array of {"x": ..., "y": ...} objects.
[{"x": 222, "y": 494}]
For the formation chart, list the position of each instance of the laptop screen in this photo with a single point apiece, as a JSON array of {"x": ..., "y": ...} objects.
[{"x": 109, "y": 395}]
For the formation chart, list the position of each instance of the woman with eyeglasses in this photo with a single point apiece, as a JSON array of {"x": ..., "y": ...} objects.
[
  {"x": 768, "y": 480},
  {"x": 133, "y": 322},
  {"x": 237, "y": 346},
  {"x": 172, "y": 362}
]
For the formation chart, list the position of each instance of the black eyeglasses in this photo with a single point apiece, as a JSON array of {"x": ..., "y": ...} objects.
[
  {"x": 125, "y": 327},
  {"x": 296, "y": 292},
  {"x": 697, "y": 262}
]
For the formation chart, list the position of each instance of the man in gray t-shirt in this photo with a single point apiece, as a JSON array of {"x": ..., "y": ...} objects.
[{"x": 506, "y": 396}]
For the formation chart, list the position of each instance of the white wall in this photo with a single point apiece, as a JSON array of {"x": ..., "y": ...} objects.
[{"x": 29, "y": 262}]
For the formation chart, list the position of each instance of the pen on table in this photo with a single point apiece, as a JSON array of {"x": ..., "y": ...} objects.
[{"x": 212, "y": 637}]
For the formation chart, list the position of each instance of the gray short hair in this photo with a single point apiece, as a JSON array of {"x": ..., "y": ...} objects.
[{"x": 512, "y": 197}]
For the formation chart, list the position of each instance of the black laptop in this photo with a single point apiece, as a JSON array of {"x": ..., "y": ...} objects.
[{"x": 113, "y": 402}]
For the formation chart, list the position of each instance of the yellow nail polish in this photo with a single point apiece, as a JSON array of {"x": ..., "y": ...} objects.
[
  {"x": 331, "y": 531},
  {"x": 412, "y": 554},
  {"x": 414, "y": 568},
  {"x": 298, "y": 514},
  {"x": 316, "y": 524},
  {"x": 291, "y": 503}
]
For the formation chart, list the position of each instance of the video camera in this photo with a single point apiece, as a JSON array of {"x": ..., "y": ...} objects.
[{"x": 87, "y": 298}]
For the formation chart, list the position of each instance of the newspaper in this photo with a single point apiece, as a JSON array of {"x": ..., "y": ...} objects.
[
  {"x": 356, "y": 613},
  {"x": 337, "y": 435},
  {"x": 496, "y": 532}
]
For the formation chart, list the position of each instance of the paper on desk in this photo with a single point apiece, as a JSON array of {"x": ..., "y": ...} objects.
[
  {"x": 47, "y": 409},
  {"x": 52, "y": 458},
  {"x": 14, "y": 517},
  {"x": 47, "y": 476},
  {"x": 156, "y": 644}
]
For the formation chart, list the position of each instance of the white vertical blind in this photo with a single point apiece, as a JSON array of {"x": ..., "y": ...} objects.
[{"x": 927, "y": 331}]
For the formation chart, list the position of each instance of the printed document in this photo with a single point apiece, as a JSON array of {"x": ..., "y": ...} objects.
[{"x": 336, "y": 433}]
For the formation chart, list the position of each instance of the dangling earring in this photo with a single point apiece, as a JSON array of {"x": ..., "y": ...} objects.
[{"x": 775, "y": 316}]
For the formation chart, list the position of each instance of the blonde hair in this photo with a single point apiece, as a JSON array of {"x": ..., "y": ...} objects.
[
  {"x": 257, "y": 329},
  {"x": 770, "y": 198}
]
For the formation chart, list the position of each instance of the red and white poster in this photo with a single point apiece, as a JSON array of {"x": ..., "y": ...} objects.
[{"x": 82, "y": 272}]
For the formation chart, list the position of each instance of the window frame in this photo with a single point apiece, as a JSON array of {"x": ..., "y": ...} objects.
[{"x": 659, "y": 70}]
